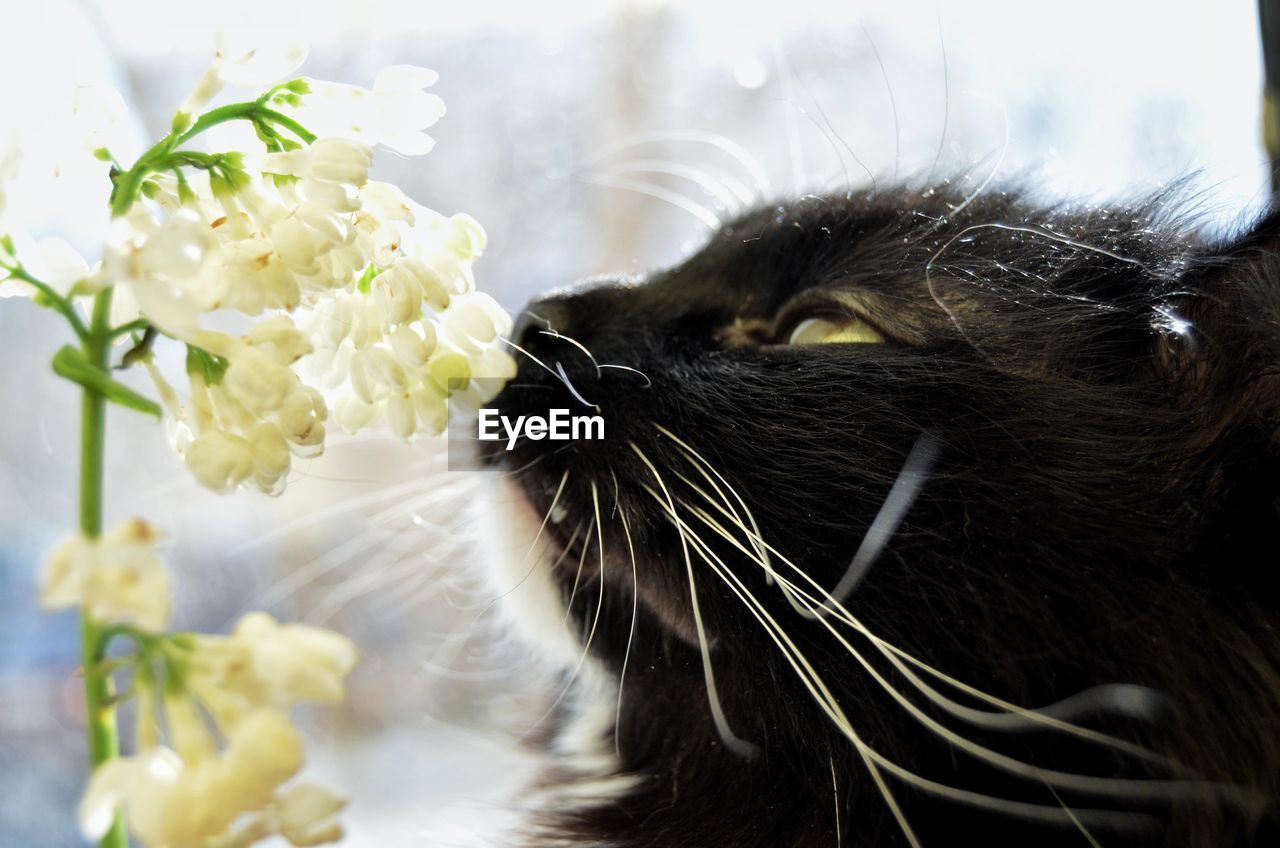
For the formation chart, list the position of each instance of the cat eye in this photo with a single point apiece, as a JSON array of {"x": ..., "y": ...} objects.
[{"x": 846, "y": 330}]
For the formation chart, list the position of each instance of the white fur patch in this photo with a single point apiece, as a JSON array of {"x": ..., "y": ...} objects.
[
  {"x": 519, "y": 573},
  {"x": 532, "y": 604}
]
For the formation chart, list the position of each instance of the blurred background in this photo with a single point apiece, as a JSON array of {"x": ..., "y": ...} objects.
[{"x": 587, "y": 138}]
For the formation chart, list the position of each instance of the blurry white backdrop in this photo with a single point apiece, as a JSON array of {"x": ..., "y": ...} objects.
[{"x": 586, "y": 137}]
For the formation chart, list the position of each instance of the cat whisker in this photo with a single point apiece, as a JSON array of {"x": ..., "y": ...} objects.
[
  {"x": 728, "y": 198},
  {"x": 586, "y": 647},
  {"x": 595, "y": 505},
  {"x": 579, "y": 345},
  {"x": 901, "y": 496},
  {"x": 828, "y": 131},
  {"x": 573, "y": 390},
  {"x": 635, "y": 610},
  {"x": 835, "y": 801},
  {"x": 664, "y": 194},
  {"x": 648, "y": 383},
  {"x": 387, "y": 570},
  {"x": 794, "y": 147},
  {"x": 720, "y": 142},
  {"x": 577, "y": 578},
  {"x": 559, "y": 375},
  {"x": 530, "y": 464},
  {"x": 741, "y": 746},
  {"x": 631, "y": 633},
  {"x": 542, "y": 528},
  {"x": 1012, "y": 717},
  {"x": 321, "y": 515},
  {"x": 700, "y": 464},
  {"x": 893, "y": 103},
  {"x": 1084, "y": 831},
  {"x": 946, "y": 102},
  {"x": 876, "y": 761},
  {"x": 1004, "y": 149},
  {"x": 316, "y": 568},
  {"x": 809, "y": 677},
  {"x": 1119, "y": 788}
]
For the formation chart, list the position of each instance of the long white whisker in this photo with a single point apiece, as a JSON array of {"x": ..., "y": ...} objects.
[
  {"x": 874, "y": 760},
  {"x": 595, "y": 505},
  {"x": 577, "y": 578},
  {"x": 586, "y": 647},
  {"x": 1084, "y": 831},
  {"x": 579, "y": 345},
  {"x": 902, "y": 495},
  {"x": 808, "y": 676},
  {"x": 573, "y": 389},
  {"x": 666, "y": 195},
  {"x": 700, "y": 463},
  {"x": 829, "y": 132},
  {"x": 648, "y": 384},
  {"x": 726, "y": 196},
  {"x": 740, "y": 154},
  {"x": 896, "y": 656},
  {"x": 542, "y": 528},
  {"x": 946, "y": 102},
  {"x": 317, "y": 568},
  {"x": 635, "y": 610},
  {"x": 780, "y": 65},
  {"x": 1137, "y": 789},
  {"x": 321, "y": 515},
  {"x": 559, "y": 376},
  {"x": 743, "y": 747}
]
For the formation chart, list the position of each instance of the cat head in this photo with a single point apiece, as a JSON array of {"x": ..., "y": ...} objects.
[{"x": 978, "y": 431}]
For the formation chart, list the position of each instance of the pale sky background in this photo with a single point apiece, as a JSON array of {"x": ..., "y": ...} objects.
[{"x": 554, "y": 109}]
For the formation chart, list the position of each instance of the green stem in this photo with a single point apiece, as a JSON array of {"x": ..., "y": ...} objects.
[
  {"x": 157, "y": 158},
  {"x": 230, "y": 112},
  {"x": 104, "y": 742},
  {"x": 288, "y": 123},
  {"x": 132, "y": 326},
  {"x": 57, "y": 301}
]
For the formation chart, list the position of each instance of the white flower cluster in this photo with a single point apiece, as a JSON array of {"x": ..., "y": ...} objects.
[
  {"x": 248, "y": 414},
  {"x": 324, "y": 282},
  {"x": 180, "y": 790},
  {"x": 389, "y": 359},
  {"x": 114, "y": 578},
  {"x": 194, "y": 796},
  {"x": 374, "y": 290}
]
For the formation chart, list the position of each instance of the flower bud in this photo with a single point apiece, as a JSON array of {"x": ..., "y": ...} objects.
[
  {"x": 401, "y": 416},
  {"x": 465, "y": 237},
  {"x": 408, "y": 346},
  {"x": 451, "y": 370},
  {"x": 220, "y": 460},
  {"x": 279, "y": 338},
  {"x": 306, "y": 815},
  {"x": 354, "y": 414}
]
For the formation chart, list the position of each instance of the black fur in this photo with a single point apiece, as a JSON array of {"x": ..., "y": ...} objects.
[{"x": 1103, "y": 510}]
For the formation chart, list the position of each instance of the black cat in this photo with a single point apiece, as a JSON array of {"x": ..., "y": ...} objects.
[{"x": 892, "y": 470}]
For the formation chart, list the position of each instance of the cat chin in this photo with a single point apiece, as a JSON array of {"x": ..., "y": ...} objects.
[
  {"x": 583, "y": 769},
  {"x": 516, "y": 561}
]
